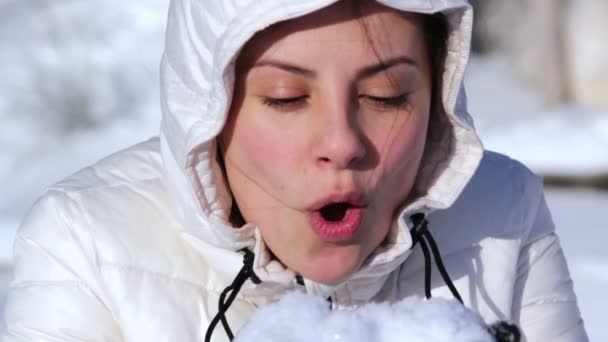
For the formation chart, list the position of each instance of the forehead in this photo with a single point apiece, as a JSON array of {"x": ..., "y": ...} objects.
[{"x": 367, "y": 29}]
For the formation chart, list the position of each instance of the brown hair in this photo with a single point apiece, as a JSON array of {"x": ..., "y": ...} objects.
[{"x": 436, "y": 32}]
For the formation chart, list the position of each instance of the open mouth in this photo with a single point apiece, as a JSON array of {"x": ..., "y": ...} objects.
[
  {"x": 337, "y": 221},
  {"x": 335, "y": 212}
]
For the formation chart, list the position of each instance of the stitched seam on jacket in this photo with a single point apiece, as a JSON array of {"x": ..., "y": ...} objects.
[
  {"x": 32, "y": 283},
  {"x": 549, "y": 248},
  {"x": 101, "y": 297},
  {"x": 101, "y": 186},
  {"x": 159, "y": 275},
  {"x": 50, "y": 255},
  {"x": 536, "y": 320},
  {"x": 551, "y": 301},
  {"x": 578, "y": 324},
  {"x": 26, "y": 333},
  {"x": 178, "y": 280}
]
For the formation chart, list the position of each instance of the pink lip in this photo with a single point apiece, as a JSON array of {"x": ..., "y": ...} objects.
[
  {"x": 353, "y": 198},
  {"x": 338, "y": 230}
]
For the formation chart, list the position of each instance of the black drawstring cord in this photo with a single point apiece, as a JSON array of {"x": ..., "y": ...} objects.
[
  {"x": 502, "y": 331},
  {"x": 421, "y": 235},
  {"x": 427, "y": 267},
  {"x": 231, "y": 291},
  {"x": 442, "y": 270}
]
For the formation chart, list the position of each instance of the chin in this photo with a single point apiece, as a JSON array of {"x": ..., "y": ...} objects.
[{"x": 332, "y": 266}]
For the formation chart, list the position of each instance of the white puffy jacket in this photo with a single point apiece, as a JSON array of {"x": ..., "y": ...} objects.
[{"x": 138, "y": 247}]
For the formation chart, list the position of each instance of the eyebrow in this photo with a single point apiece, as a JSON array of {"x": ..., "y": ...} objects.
[
  {"x": 363, "y": 73},
  {"x": 287, "y": 67},
  {"x": 385, "y": 65}
]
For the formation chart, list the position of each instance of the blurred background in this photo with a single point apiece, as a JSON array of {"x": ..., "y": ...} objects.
[{"x": 79, "y": 80}]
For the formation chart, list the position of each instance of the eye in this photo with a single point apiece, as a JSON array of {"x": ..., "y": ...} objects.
[
  {"x": 286, "y": 103},
  {"x": 387, "y": 102}
]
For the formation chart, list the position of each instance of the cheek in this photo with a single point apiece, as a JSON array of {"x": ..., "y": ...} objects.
[
  {"x": 265, "y": 153},
  {"x": 264, "y": 148},
  {"x": 401, "y": 149}
]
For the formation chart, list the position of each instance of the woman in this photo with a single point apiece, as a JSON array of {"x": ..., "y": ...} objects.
[{"x": 305, "y": 145}]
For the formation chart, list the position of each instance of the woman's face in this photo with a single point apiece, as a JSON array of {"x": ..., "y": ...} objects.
[{"x": 326, "y": 132}]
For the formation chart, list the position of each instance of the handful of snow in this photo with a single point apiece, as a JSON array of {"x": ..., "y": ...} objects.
[{"x": 299, "y": 317}]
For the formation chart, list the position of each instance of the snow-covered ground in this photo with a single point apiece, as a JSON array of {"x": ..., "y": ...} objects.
[
  {"x": 566, "y": 141},
  {"x": 73, "y": 88},
  {"x": 38, "y": 148}
]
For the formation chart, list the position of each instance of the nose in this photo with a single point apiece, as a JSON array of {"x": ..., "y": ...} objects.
[{"x": 340, "y": 143}]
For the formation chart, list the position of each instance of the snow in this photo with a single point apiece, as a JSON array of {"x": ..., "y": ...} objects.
[
  {"x": 511, "y": 119},
  {"x": 299, "y": 317},
  {"x": 36, "y": 168},
  {"x": 78, "y": 88},
  {"x": 39, "y": 146},
  {"x": 580, "y": 137}
]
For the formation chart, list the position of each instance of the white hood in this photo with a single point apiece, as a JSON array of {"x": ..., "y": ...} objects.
[{"x": 204, "y": 38}]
